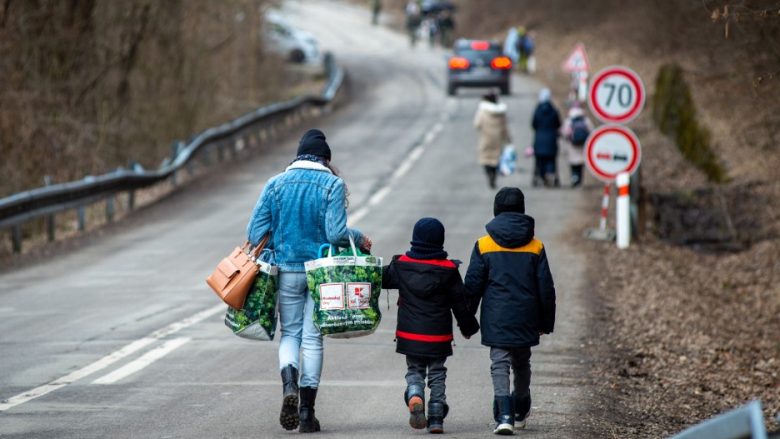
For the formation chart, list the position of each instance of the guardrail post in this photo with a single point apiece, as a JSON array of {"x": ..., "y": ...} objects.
[
  {"x": 207, "y": 151},
  {"x": 110, "y": 209},
  {"x": 130, "y": 200},
  {"x": 16, "y": 239},
  {"x": 81, "y": 216},
  {"x": 174, "y": 152},
  {"x": 220, "y": 151},
  {"x": 50, "y": 223}
]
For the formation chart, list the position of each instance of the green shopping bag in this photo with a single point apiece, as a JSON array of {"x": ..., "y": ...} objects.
[
  {"x": 257, "y": 319},
  {"x": 345, "y": 289}
]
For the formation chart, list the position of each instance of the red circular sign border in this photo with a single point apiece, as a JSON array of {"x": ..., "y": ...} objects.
[
  {"x": 633, "y": 139},
  {"x": 633, "y": 77}
]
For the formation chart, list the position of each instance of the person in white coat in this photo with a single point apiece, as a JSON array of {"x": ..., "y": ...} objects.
[
  {"x": 490, "y": 122},
  {"x": 576, "y": 129}
]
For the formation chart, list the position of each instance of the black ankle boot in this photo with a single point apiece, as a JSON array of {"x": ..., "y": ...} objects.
[
  {"x": 505, "y": 421},
  {"x": 415, "y": 401},
  {"x": 437, "y": 411},
  {"x": 309, "y": 422},
  {"x": 289, "y": 415}
]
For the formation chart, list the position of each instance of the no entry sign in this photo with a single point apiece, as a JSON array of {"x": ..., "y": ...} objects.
[
  {"x": 610, "y": 150},
  {"x": 617, "y": 95}
]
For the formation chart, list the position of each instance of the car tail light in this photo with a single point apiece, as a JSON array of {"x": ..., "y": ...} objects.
[
  {"x": 480, "y": 45},
  {"x": 501, "y": 63},
  {"x": 459, "y": 63}
]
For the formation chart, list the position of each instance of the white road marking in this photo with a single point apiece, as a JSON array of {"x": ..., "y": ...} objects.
[
  {"x": 109, "y": 359},
  {"x": 399, "y": 172},
  {"x": 143, "y": 361},
  {"x": 379, "y": 196}
]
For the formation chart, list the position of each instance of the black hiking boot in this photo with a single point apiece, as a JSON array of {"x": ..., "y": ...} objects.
[
  {"x": 289, "y": 415},
  {"x": 437, "y": 411},
  {"x": 415, "y": 401},
  {"x": 505, "y": 417},
  {"x": 309, "y": 422}
]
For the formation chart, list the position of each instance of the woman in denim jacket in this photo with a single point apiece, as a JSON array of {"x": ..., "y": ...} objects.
[{"x": 302, "y": 208}]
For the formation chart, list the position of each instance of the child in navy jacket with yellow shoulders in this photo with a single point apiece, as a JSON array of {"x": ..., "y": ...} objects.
[{"x": 510, "y": 274}]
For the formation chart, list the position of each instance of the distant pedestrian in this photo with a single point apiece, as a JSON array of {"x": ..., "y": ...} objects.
[
  {"x": 490, "y": 122},
  {"x": 527, "y": 47},
  {"x": 446, "y": 25},
  {"x": 546, "y": 124},
  {"x": 510, "y": 45},
  {"x": 576, "y": 129},
  {"x": 430, "y": 291},
  {"x": 413, "y": 19},
  {"x": 509, "y": 273},
  {"x": 301, "y": 208},
  {"x": 376, "y": 9}
]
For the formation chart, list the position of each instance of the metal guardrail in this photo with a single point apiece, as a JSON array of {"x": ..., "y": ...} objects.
[
  {"x": 49, "y": 200},
  {"x": 746, "y": 422}
]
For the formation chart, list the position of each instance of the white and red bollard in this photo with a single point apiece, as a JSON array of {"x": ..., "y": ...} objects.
[{"x": 623, "y": 211}]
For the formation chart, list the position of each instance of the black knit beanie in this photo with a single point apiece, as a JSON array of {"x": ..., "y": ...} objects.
[
  {"x": 509, "y": 199},
  {"x": 313, "y": 143},
  {"x": 428, "y": 240}
]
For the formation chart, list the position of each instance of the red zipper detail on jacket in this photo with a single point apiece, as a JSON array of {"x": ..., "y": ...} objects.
[{"x": 423, "y": 337}]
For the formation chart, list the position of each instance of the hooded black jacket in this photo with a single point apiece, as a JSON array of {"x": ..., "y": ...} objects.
[
  {"x": 546, "y": 123},
  {"x": 510, "y": 274},
  {"x": 430, "y": 291}
]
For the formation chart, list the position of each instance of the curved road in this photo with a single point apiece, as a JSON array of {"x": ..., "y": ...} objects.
[{"x": 122, "y": 338}]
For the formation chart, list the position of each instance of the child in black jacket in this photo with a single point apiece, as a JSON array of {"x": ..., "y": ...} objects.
[{"x": 430, "y": 291}]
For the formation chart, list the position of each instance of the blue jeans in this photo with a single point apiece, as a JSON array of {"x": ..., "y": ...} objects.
[{"x": 296, "y": 310}]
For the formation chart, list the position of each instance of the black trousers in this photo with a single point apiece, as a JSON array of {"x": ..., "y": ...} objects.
[{"x": 491, "y": 172}]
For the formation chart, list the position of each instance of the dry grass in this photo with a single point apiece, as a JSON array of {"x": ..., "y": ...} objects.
[{"x": 89, "y": 86}]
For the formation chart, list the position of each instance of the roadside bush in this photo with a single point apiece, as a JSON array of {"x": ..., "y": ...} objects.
[{"x": 675, "y": 114}]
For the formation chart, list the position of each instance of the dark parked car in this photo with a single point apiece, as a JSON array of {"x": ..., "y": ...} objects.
[{"x": 478, "y": 63}]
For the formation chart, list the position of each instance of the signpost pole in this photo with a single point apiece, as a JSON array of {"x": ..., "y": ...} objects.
[{"x": 604, "y": 208}]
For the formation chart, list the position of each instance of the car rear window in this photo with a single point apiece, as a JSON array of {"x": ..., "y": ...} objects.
[{"x": 485, "y": 55}]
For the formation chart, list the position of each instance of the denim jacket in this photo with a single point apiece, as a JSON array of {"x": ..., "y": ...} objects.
[{"x": 303, "y": 208}]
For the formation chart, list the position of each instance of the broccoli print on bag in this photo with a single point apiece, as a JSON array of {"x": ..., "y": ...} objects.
[{"x": 345, "y": 290}]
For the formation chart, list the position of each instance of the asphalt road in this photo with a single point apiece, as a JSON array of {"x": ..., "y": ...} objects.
[{"x": 122, "y": 338}]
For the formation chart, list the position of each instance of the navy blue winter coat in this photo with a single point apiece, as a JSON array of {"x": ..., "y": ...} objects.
[
  {"x": 510, "y": 274},
  {"x": 546, "y": 123}
]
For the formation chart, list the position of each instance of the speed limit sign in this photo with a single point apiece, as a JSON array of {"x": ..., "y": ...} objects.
[{"x": 617, "y": 95}]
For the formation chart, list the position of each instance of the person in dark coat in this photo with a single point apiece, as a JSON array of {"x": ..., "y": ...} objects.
[
  {"x": 430, "y": 291},
  {"x": 509, "y": 273},
  {"x": 546, "y": 124}
]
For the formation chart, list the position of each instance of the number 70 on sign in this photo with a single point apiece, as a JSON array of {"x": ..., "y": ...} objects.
[{"x": 617, "y": 95}]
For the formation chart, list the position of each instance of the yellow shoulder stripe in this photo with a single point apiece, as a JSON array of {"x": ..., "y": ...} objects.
[{"x": 488, "y": 245}]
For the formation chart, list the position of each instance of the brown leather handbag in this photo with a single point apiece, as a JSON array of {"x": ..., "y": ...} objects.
[{"x": 234, "y": 275}]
